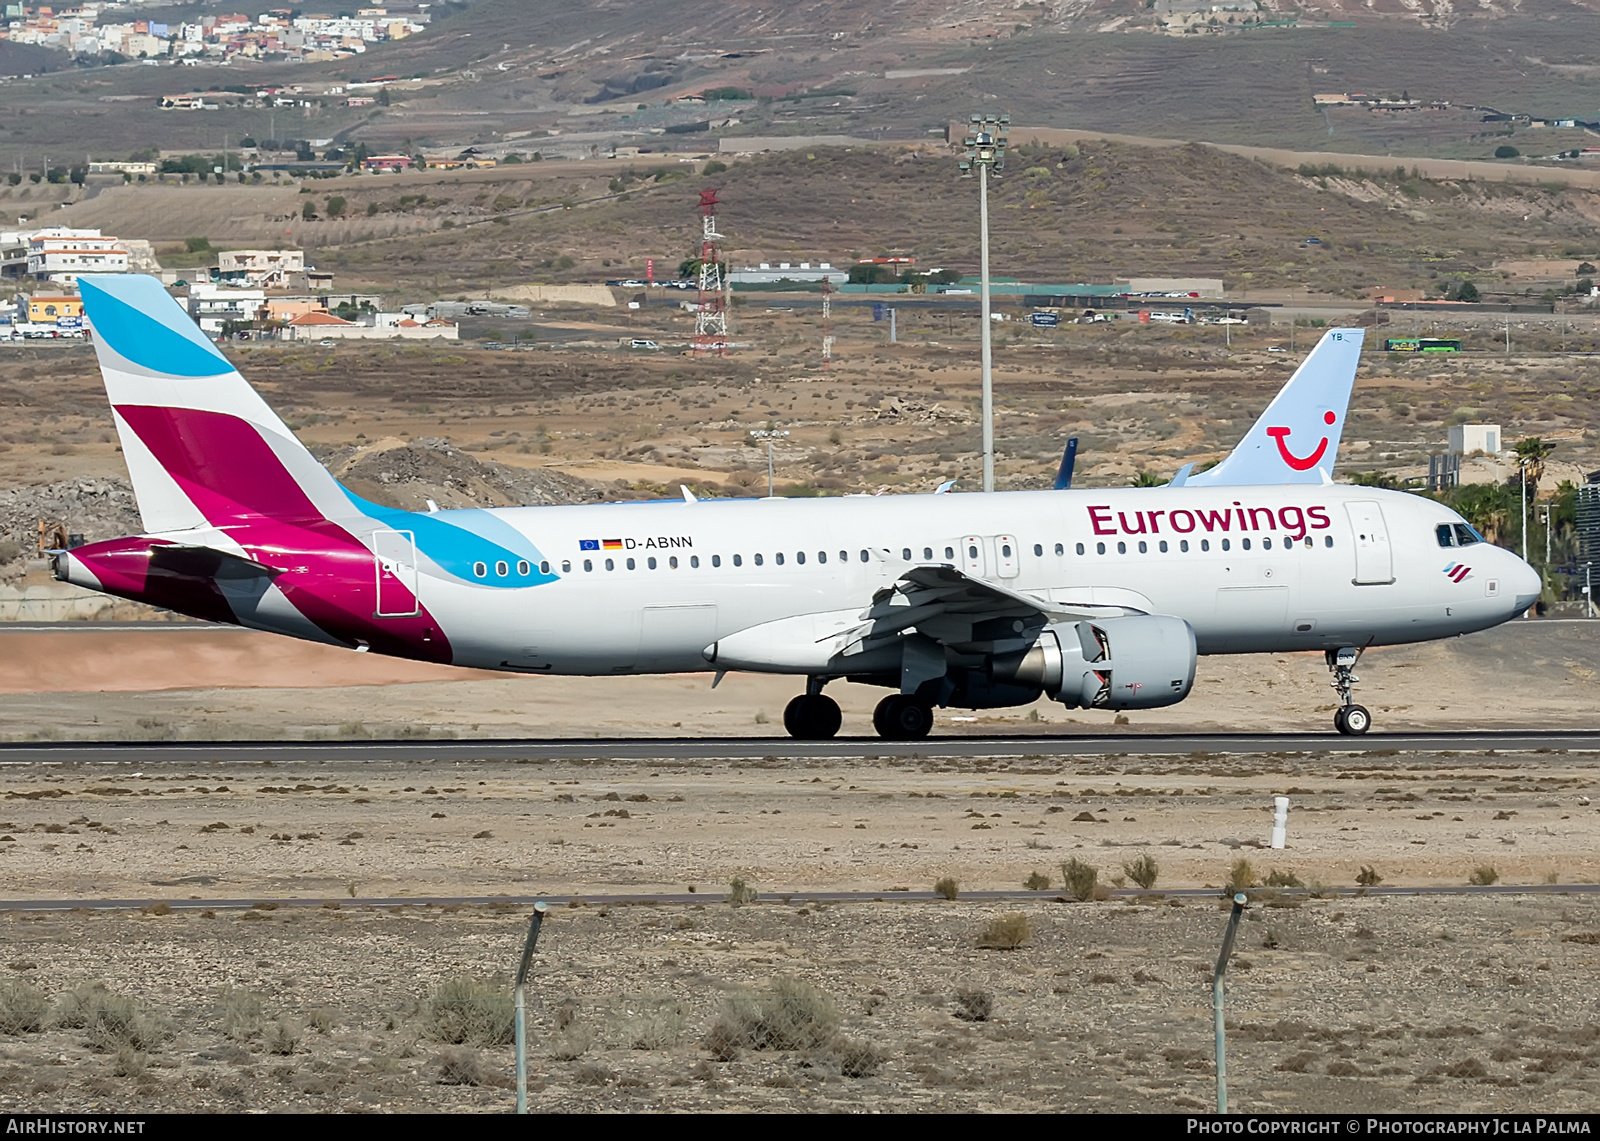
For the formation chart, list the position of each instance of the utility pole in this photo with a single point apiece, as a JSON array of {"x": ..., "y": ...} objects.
[
  {"x": 770, "y": 435},
  {"x": 986, "y": 147}
]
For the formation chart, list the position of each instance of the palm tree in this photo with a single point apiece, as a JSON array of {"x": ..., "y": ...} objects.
[
  {"x": 1532, "y": 453},
  {"x": 1147, "y": 479}
]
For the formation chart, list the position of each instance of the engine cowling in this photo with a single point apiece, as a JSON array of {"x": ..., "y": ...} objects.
[{"x": 1143, "y": 661}]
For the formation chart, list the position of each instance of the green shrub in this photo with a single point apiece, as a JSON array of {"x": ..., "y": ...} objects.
[
  {"x": 466, "y": 1011},
  {"x": 1241, "y": 876},
  {"x": 114, "y": 1022},
  {"x": 1368, "y": 876},
  {"x": 22, "y": 1007},
  {"x": 947, "y": 887},
  {"x": 1079, "y": 879},
  {"x": 1143, "y": 871},
  {"x": 1483, "y": 876},
  {"x": 1036, "y": 882},
  {"x": 1006, "y": 932},
  {"x": 791, "y": 1014},
  {"x": 1283, "y": 878},
  {"x": 741, "y": 893}
]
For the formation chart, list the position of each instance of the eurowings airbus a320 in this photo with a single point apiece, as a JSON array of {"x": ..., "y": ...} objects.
[{"x": 1097, "y": 598}]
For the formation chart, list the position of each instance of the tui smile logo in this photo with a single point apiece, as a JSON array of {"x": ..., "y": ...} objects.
[
  {"x": 1280, "y": 437},
  {"x": 1458, "y": 572}
]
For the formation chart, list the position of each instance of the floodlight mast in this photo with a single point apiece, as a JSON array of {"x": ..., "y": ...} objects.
[{"x": 986, "y": 148}]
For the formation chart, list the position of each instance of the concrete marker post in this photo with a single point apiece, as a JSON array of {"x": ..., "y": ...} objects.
[
  {"x": 1239, "y": 902},
  {"x": 519, "y": 994},
  {"x": 1280, "y": 821}
]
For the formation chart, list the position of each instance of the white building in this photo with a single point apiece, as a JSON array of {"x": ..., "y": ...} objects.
[
  {"x": 259, "y": 267},
  {"x": 211, "y": 305},
  {"x": 57, "y": 253},
  {"x": 1465, "y": 439}
]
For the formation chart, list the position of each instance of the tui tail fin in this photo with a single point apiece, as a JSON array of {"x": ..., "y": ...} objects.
[{"x": 1297, "y": 438}]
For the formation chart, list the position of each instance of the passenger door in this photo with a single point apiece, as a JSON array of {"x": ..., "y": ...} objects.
[
  {"x": 395, "y": 563},
  {"x": 1374, "y": 559}
]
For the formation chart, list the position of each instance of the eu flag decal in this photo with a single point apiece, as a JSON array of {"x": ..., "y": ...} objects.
[{"x": 588, "y": 544}]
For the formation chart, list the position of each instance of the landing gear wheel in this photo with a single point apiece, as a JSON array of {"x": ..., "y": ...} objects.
[
  {"x": 1338, "y": 720},
  {"x": 902, "y": 717},
  {"x": 812, "y": 717},
  {"x": 1356, "y": 720}
]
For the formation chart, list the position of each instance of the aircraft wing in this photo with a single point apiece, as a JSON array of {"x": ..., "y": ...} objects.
[{"x": 968, "y": 615}]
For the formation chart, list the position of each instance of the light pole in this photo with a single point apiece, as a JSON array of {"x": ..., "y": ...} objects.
[
  {"x": 986, "y": 147},
  {"x": 769, "y": 435}
]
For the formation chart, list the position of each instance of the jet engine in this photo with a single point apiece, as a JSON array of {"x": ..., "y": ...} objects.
[{"x": 1143, "y": 661}]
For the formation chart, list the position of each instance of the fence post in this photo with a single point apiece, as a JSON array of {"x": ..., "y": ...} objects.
[
  {"x": 1239, "y": 902},
  {"x": 521, "y": 1004}
]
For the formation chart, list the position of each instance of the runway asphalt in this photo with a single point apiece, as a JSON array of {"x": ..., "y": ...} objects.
[
  {"x": 198, "y": 903},
  {"x": 783, "y": 748}
]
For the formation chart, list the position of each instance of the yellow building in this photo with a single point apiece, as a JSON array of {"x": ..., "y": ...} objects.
[{"x": 43, "y": 309}]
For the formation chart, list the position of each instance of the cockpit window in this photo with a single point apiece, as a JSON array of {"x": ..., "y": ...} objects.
[
  {"x": 1447, "y": 535},
  {"x": 1466, "y": 536}
]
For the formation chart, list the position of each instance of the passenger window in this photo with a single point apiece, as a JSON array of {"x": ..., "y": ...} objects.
[
  {"x": 1005, "y": 550},
  {"x": 1327, "y": 540},
  {"x": 566, "y": 566},
  {"x": 588, "y": 564},
  {"x": 1266, "y": 544},
  {"x": 632, "y": 565},
  {"x": 1288, "y": 543},
  {"x": 694, "y": 562},
  {"x": 1245, "y": 543},
  {"x": 1308, "y": 542},
  {"x": 1183, "y": 545},
  {"x": 1080, "y": 548},
  {"x": 1447, "y": 535},
  {"x": 863, "y": 556},
  {"x": 800, "y": 557},
  {"x": 480, "y": 569},
  {"x": 1144, "y": 548},
  {"x": 672, "y": 562},
  {"x": 972, "y": 552},
  {"x": 778, "y": 558},
  {"x": 906, "y": 554},
  {"x": 1225, "y": 544},
  {"x": 738, "y": 560},
  {"x": 1099, "y": 548},
  {"x": 1465, "y": 535},
  {"x": 1205, "y": 544},
  {"x": 822, "y": 556},
  {"x": 759, "y": 561},
  {"x": 949, "y": 552},
  {"x": 1122, "y": 548},
  {"x": 844, "y": 556},
  {"x": 927, "y": 554},
  {"x": 1060, "y": 550},
  {"x": 1038, "y": 550},
  {"x": 522, "y": 567},
  {"x": 1163, "y": 546},
  {"x": 716, "y": 560},
  {"x": 650, "y": 562},
  {"x": 610, "y": 565},
  {"x": 501, "y": 570}
]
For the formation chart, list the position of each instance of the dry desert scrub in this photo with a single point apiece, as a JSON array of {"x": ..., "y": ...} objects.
[{"x": 466, "y": 1011}]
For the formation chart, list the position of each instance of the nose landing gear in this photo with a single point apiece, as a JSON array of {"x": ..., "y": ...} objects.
[{"x": 1350, "y": 718}]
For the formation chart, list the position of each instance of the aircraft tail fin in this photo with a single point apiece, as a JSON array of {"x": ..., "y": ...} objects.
[
  {"x": 1296, "y": 440},
  {"x": 202, "y": 447}
]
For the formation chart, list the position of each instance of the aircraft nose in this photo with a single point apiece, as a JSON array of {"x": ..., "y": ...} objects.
[{"x": 1526, "y": 585}]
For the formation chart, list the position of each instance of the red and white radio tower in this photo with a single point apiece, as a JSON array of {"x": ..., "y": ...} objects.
[{"x": 711, "y": 319}]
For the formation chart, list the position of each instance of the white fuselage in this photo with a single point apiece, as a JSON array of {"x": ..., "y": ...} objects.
[{"x": 1252, "y": 569}]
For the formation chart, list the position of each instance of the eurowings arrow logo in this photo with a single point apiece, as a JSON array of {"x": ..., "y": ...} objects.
[
  {"x": 1280, "y": 436},
  {"x": 1458, "y": 572}
]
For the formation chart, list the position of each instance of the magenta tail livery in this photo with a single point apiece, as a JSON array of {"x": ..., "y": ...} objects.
[{"x": 1098, "y": 598}]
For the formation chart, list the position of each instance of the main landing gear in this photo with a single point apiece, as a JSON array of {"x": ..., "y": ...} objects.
[
  {"x": 813, "y": 716},
  {"x": 1350, "y": 718},
  {"x": 902, "y": 717}
]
